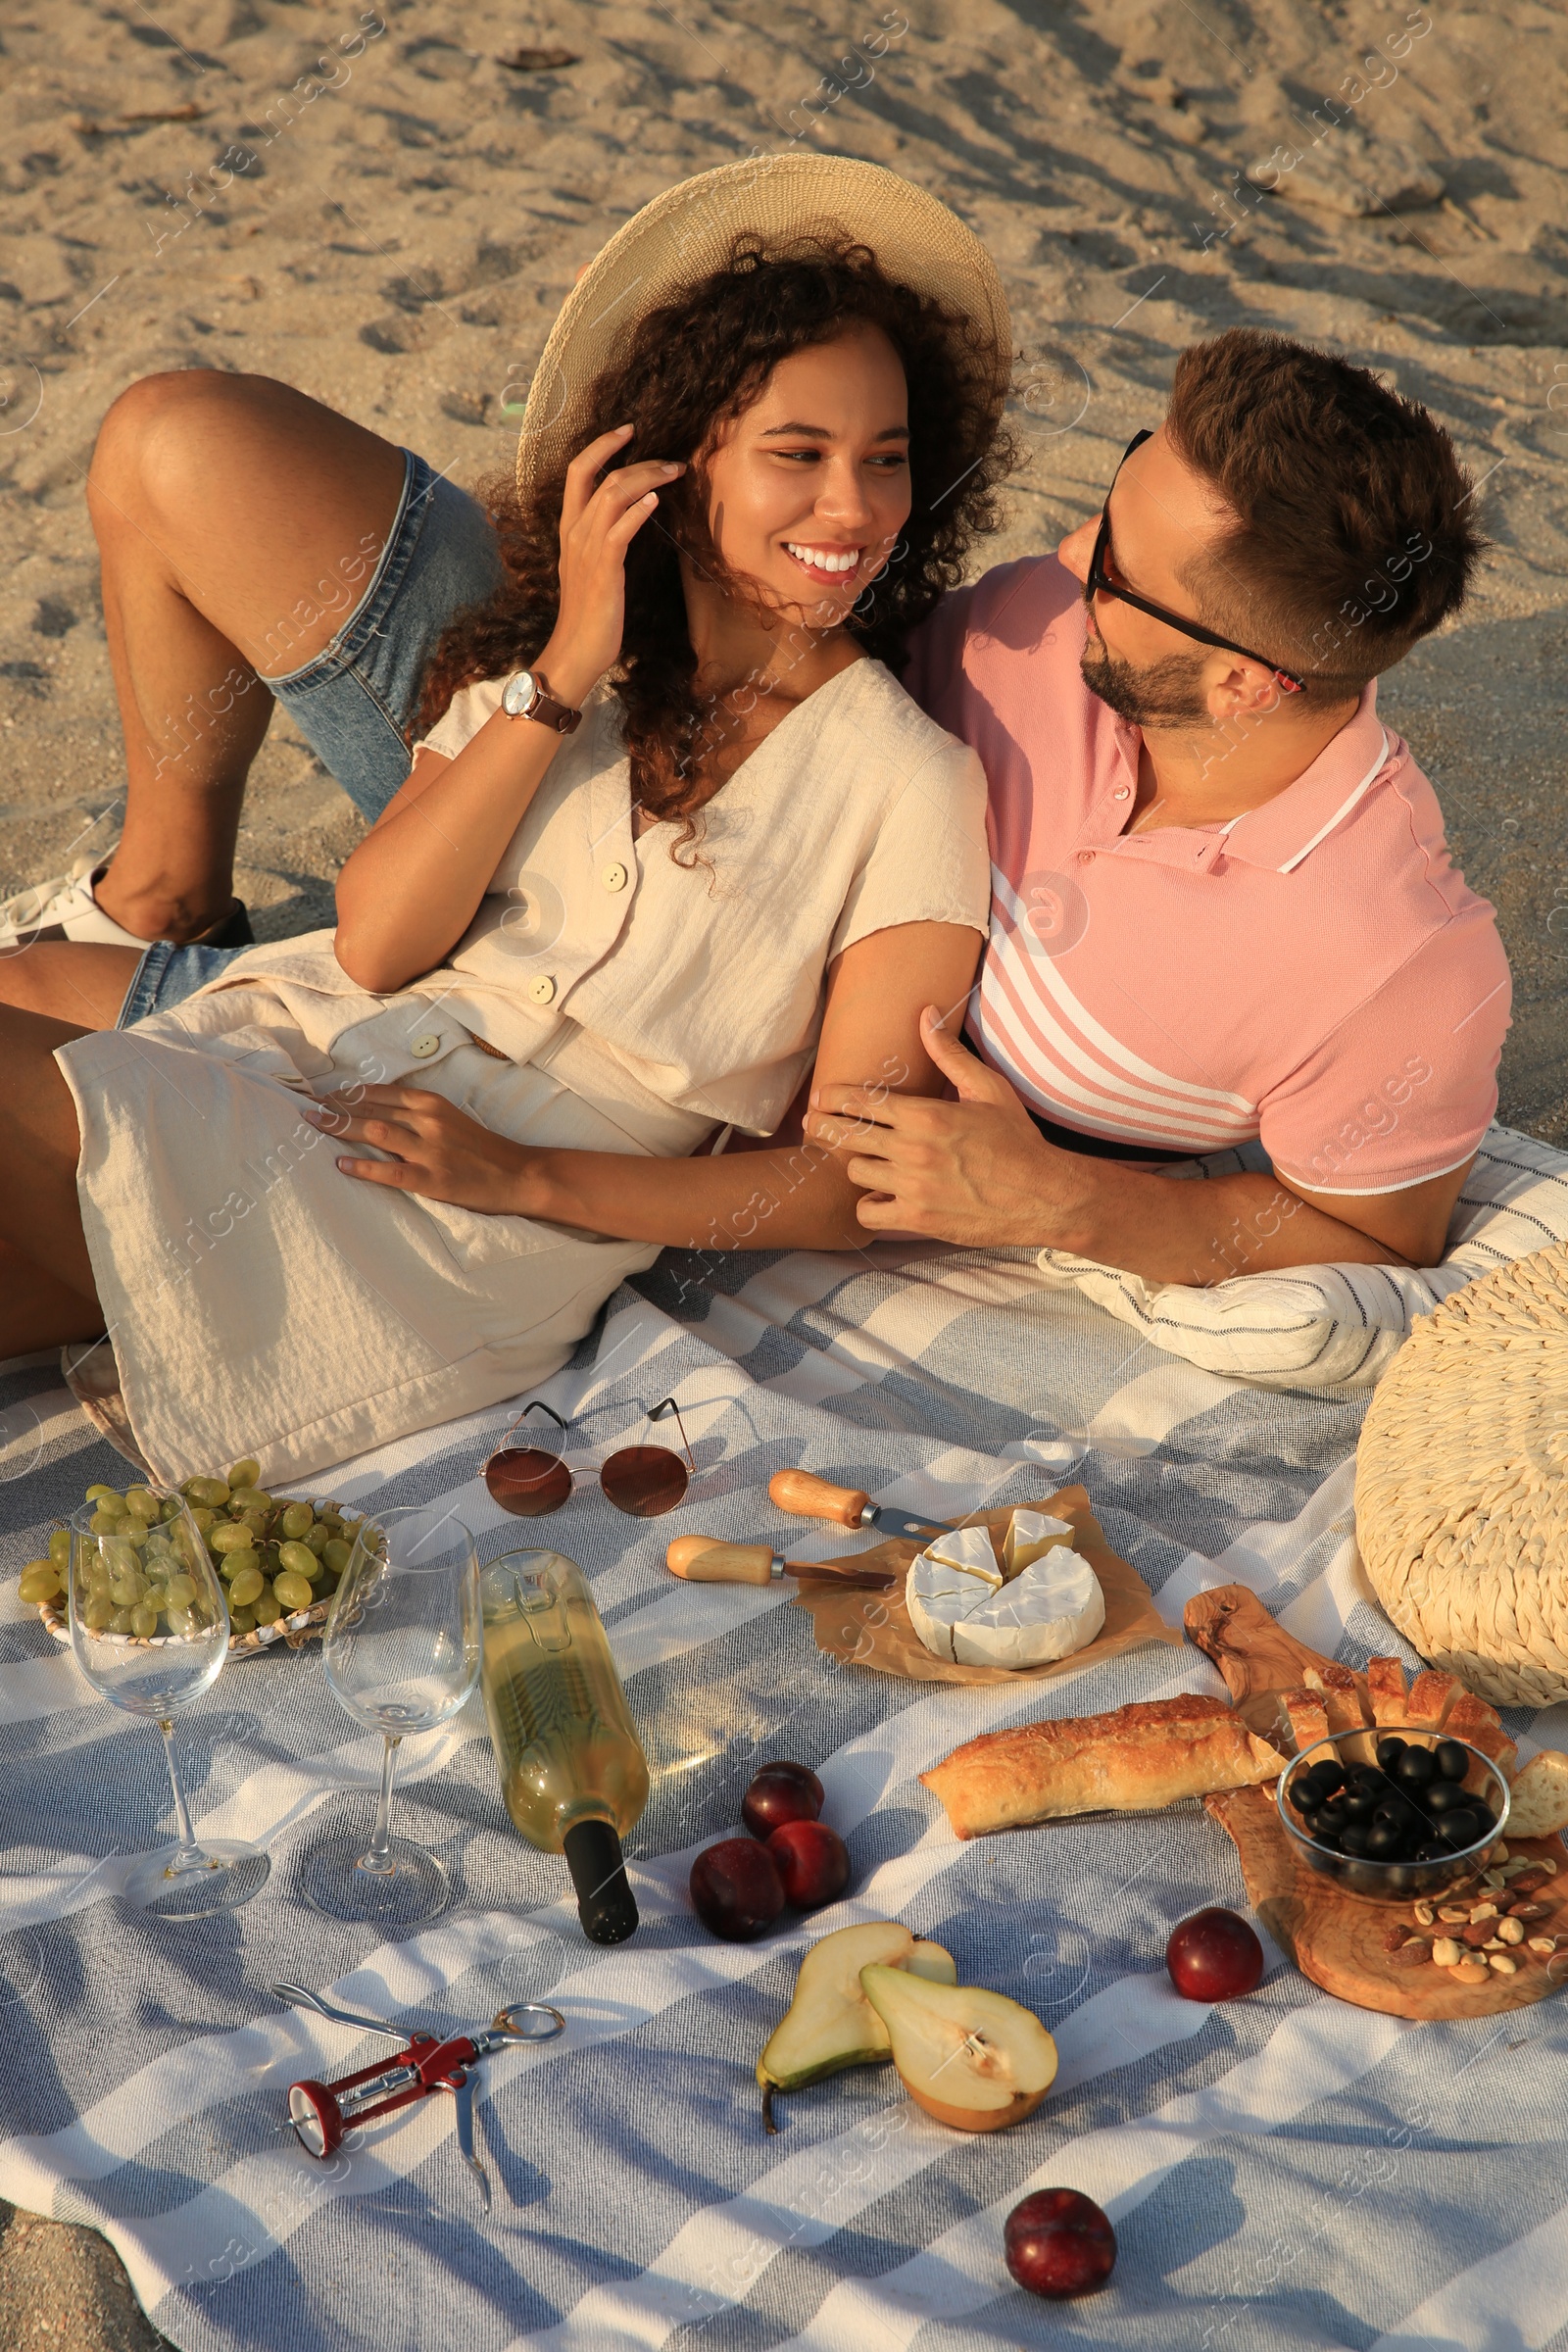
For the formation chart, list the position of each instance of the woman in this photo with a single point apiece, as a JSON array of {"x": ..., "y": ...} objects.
[{"x": 675, "y": 831}]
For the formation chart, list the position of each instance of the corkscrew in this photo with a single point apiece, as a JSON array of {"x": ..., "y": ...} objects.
[{"x": 323, "y": 2112}]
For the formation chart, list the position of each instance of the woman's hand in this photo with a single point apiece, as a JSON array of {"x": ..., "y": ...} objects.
[
  {"x": 598, "y": 523},
  {"x": 437, "y": 1148}
]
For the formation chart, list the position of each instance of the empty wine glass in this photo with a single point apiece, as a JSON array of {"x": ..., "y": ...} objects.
[
  {"x": 401, "y": 1654},
  {"x": 149, "y": 1628}
]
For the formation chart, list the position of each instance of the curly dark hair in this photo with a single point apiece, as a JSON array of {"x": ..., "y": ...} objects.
[{"x": 687, "y": 369}]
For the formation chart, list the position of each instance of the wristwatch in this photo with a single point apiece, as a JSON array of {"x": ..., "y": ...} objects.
[{"x": 525, "y": 694}]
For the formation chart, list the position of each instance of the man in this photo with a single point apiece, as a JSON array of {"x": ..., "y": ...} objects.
[{"x": 1224, "y": 913}]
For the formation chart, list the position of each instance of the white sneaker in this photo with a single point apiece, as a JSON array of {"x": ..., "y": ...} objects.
[{"x": 63, "y": 907}]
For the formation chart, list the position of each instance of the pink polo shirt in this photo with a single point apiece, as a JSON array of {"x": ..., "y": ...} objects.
[{"x": 1315, "y": 973}]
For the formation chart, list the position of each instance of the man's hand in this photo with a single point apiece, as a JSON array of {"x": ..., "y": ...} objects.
[
  {"x": 977, "y": 1170},
  {"x": 437, "y": 1148}
]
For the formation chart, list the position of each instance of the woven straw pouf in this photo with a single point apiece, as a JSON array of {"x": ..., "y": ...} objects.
[{"x": 1462, "y": 1483}]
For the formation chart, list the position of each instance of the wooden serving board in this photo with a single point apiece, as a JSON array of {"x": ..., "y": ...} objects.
[{"x": 1337, "y": 1938}]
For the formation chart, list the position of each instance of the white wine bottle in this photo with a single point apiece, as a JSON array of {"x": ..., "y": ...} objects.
[{"x": 573, "y": 1775}]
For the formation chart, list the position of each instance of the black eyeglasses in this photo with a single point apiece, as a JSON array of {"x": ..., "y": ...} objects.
[
  {"x": 1098, "y": 584},
  {"x": 644, "y": 1481}
]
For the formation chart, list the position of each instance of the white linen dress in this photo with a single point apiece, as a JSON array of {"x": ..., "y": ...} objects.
[{"x": 605, "y": 997}]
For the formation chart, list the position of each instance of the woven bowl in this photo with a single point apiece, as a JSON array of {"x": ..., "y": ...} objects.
[{"x": 1462, "y": 1483}]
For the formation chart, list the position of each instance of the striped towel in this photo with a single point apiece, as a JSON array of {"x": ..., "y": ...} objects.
[{"x": 1283, "y": 2171}]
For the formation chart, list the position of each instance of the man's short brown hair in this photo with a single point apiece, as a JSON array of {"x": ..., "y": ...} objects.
[{"x": 1355, "y": 532}]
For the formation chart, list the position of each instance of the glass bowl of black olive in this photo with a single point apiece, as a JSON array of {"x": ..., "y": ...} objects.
[{"x": 1392, "y": 1812}]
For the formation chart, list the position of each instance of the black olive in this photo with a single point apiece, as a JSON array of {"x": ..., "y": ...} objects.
[
  {"x": 1390, "y": 1751},
  {"x": 1332, "y": 1817},
  {"x": 1444, "y": 1796},
  {"x": 1461, "y": 1829},
  {"x": 1354, "y": 1838},
  {"x": 1432, "y": 1851},
  {"x": 1452, "y": 1760},
  {"x": 1304, "y": 1793},
  {"x": 1386, "y": 1841},
  {"x": 1329, "y": 1775},
  {"x": 1487, "y": 1817},
  {"x": 1359, "y": 1803},
  {"x": 1417, "y": 1766}
]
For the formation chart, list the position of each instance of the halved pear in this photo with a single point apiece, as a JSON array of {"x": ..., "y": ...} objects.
[
  {"x": 830, "y": 2023},
  {"x": 971, "y": 2058}
]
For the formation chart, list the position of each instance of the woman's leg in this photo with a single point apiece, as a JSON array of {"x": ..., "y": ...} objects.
[
  {"x": 75, "y": 980},
  {"x": 49, "y": 1296},
  {"x": 237, "y": 521}
]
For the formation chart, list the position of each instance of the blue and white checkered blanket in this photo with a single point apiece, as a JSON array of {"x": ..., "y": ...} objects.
[{"x": 1282, "y": 2172}]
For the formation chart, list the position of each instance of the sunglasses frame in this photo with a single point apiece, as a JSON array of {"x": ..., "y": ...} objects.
[
  {"x": 656, "y": 1413},
  {"x": 1096, "y": 584}
]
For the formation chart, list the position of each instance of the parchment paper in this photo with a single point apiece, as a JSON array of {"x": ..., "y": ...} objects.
[{"x": 873, "y": 1629}]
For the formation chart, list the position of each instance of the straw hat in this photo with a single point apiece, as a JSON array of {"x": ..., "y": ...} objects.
[
  {"x": 1462, "y": 1483},
  {"x": 686, "y": 234}
]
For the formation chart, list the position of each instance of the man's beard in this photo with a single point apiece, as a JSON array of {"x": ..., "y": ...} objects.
[{"x": 1158, "y": 693}]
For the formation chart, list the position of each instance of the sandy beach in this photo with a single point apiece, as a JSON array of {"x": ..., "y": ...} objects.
[{"x": 375, "y": 205}]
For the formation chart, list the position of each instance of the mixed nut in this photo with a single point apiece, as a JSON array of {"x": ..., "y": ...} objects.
[{"x": 1483, "y": 1927}]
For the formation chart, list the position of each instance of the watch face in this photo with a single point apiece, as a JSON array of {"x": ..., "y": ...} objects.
[{"x": 517, "y": 694}]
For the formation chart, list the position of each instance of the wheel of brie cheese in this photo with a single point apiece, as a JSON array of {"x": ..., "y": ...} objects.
[{"x": 963, "y": 1609}]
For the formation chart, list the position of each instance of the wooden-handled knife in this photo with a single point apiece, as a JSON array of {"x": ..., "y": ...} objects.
[
  {"x": 704, "y": 1560},
  {"x": 805, "y": 1497}
]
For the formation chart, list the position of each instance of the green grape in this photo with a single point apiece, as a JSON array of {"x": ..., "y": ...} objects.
[
  {"x": 298, "y": 1561},
  {"x": 182, "y": 1623},
  {"x": 316, "y": 1539},
  {"x": 98, "y": 1612},
  {"x": 142, "y": 1505},
  {"x": 257, "y": 1521},
  {"x": 292, "y": 1589},
  {"x": 127, "y": 1588},
  {"x": 241, "y": 1621},
  {"x": 235, "y": 1563},
  {"x": 181, "y": 1591},
  {"x": 245, "y": 1472},
  {"x": 298, "y": 1519},
  {"x": 250, "y": 1498},
  {"x": 244, "y": 1588},
  {"x": 230, "y": 1535},
  {"x": 41, "y": 1581},
  {"x": 103, "y": 1523},
  {"x": 60, "y": 1546},
  {"x": 202, "y": 1515},
  {"x": 337, "y": 1554},
  {"x": 268, "y": 1609},
  {"x": 144, "y": 1620},
  {"x": 212, "y": 1492},
  {"x": 120, "y": 1621},
  {"x": 172, "y": 1507},
  {"x": 102, "y": 1494}
]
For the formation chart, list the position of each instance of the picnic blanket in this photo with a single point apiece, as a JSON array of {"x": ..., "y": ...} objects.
[{"x": 1282, "y": 2170}]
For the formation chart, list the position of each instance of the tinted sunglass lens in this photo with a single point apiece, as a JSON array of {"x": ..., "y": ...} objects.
[
  {"x": 645, "y": 1481},
  {"x": 526, "y": 1483}
]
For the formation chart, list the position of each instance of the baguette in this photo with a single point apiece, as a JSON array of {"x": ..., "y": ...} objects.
[
  {"x": 1431, "y": 1695},
  {"x": 1539, "y": 1798},
  {"x": 1339, "y": 1694},
  {"x": 1384, "y": 1687},
  {"x": 1307, "y": 1717},
  {"x": 1480, "y": 1726},
  {"x": 1141, "y": 1759}
]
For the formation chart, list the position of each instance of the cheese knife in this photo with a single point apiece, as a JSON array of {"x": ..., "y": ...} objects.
[{"x": 805, "y": 1497}]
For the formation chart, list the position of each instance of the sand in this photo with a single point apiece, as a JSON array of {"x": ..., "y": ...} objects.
[{"x": 183, "y": 190}]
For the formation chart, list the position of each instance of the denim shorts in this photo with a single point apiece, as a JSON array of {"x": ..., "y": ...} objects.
[{"x": 353, "y": 702}]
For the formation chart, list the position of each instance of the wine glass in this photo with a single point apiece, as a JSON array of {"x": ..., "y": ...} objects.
[
  {"x": 149, "y": 1628},
  {"x": 402, "y": 1653}
]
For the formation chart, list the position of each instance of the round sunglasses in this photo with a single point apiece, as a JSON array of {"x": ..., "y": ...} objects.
[
  {"x": 643, "y": 1481},
  {"x": 1100, "y": 584}
]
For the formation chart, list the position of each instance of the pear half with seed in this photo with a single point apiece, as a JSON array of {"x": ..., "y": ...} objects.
[
  {"x": 971, "y": 2058},
  {"x": 830, "y": 2023}
]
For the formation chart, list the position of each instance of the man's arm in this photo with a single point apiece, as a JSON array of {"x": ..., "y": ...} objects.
[{"x": 978, "y": 1171}]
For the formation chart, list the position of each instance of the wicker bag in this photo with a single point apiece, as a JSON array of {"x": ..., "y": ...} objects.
[{"x": 1462, "y": 1483}]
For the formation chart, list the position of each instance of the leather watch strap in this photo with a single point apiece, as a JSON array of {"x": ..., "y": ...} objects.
[{"x": 548, "y": 711}]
